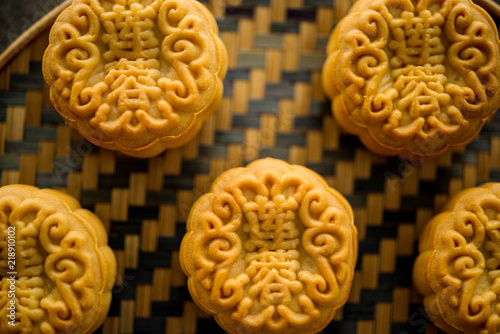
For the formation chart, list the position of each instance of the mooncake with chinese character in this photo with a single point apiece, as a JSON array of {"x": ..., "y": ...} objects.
[
  {"x": 414, "y": 78},
  {"x": 137, "y": 76},
  {"x": 457, "y": 269},
  {"x": 271, "y": 248},
  {"x": 56, "y": 268}
]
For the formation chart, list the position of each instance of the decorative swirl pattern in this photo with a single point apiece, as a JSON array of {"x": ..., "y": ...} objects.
[
  {"x": 64, "y": 269},
  {"x": 270, "y": 249},
  {"x": 135, "y": 76},
  {"x": 457, "y": 269},
  {"x": 414, "y": 78}
]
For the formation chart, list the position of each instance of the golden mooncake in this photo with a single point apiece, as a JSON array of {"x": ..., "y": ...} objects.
[
  {"x": 271, "y": 248},
  {"x": 56, "y": 268},
  {"x": 413, "y": 78},
  {"x": 138, "y": 76},
  {"x": 457, "y": 269}
]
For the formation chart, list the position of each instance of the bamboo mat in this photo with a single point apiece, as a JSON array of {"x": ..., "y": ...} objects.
[{"x": 273, "y": 106}]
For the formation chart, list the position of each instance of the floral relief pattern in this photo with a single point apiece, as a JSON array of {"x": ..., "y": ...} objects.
[
  {"x": 146, "y": 69},
  {"x": 61, "y": 285},
  {"x": 462, "y": 267},
  {"x": 419, "y": 75},
  {"x": 291, "y": 240}
]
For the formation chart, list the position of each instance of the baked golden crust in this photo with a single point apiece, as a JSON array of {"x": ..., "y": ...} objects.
[
  {"x": 138, "y": 76},
  {"x": 414, "y": 78},
  {"x": 457, "y": 268},
  {"x": 63, "y": 269},
  {"x": 270, "y": 249}
]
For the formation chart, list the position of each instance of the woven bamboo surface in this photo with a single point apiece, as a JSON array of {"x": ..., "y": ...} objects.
[{"x": 273, "y": 106}]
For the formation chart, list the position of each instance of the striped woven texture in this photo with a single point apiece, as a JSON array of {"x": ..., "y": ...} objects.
[{"x": 273, "y": 106}]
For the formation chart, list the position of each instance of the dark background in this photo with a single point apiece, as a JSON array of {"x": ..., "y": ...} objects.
[{"x": 18, "y": 15}]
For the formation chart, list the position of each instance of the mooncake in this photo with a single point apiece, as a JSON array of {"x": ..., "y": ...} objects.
[
  {"x": 457, "y": 269},
  {"x": 413, "y": 78},
  {"x": 271, "y": 248},
  {"x": 56, "y": 268},
  {"x": 137, "y": 76}
]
